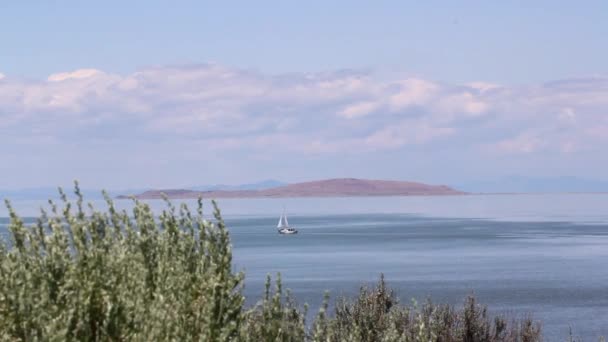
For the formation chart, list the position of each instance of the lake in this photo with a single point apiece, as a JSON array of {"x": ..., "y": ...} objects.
[{"x": 543, "y": 255}]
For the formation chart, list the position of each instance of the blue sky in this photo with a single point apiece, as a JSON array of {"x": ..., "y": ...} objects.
[{"x": 150, "y": 93}]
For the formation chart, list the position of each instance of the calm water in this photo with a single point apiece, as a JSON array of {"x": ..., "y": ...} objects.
[{"x": 540, "y": 254}]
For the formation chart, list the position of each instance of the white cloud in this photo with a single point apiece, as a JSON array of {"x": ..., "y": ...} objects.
[
  {"x": 412, "y": 92},
  {"x": 567, "y": 116},
  {"x": 483, "y": 86},
  {"x": 76, "y": 74},
  {"x": 358, "y": 109},
  {"x": 407, "y": 132},
  {"x": 463, "y": 104},
  {"x": 337, "y": 112},
  {"x": 2, "y": 76}
]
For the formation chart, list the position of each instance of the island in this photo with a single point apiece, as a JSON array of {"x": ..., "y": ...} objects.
[{"x": 340, "y": 187}]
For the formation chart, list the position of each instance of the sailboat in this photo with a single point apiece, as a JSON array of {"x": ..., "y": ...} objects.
[{"x": 283, "y": 226}]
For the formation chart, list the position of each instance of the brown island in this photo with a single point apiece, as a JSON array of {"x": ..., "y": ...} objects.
[{"x": 342, "y": 187}]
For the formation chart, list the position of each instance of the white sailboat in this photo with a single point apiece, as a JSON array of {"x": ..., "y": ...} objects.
[{"x": 283, "y": 226}]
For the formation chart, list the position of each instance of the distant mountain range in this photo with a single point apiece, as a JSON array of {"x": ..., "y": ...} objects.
[
  {"x": 269, "y": 188},
  {"x": 521, "y": 184},
  {"x": 320, "y": 188}
]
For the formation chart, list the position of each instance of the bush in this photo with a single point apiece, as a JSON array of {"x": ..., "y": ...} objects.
[
  {"x": 107, "y": 276},
  {"x": 85, "y": 275},
  {"x": 276, "y": 318},
  {"x": 376, "y": 315}
]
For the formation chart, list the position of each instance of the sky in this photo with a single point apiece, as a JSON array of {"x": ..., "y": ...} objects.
[{"x": 174, "y": 94}]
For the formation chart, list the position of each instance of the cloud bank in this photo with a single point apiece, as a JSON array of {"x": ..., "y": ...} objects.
[{"x": 215, "y": 109}]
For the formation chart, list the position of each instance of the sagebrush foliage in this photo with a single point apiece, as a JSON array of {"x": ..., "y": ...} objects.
[
  {"x": 110, "y": 276},
  {"x": 86, "y": 275}
]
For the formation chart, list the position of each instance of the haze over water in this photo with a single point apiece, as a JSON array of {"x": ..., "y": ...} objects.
[{"x": 539, "y": 254}]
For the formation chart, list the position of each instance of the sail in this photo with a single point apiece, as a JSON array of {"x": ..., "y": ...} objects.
[
  {"x": 280, "y": 224},
  {"x": 283, "y": 220}
]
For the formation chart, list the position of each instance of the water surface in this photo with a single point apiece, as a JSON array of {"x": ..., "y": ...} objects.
[{"x": 544, "y": 255}]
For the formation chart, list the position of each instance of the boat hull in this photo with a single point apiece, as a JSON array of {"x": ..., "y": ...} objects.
[{"x": 289, "y": 231}]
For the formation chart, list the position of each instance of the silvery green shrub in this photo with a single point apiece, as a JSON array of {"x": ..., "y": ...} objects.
[{"x": 85, "y": 275}]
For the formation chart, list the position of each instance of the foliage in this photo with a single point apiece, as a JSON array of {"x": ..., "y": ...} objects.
[
  {"x": 275, "y": 318},
  {"x": 108, "y": 276},
  {"x": 86, "y": 275},
  {"x": 376, "y": 315}
]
